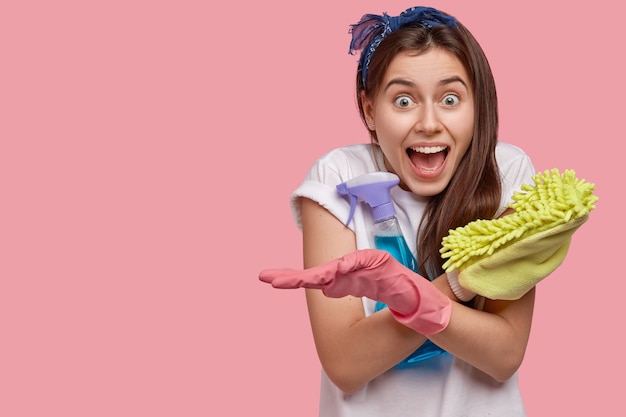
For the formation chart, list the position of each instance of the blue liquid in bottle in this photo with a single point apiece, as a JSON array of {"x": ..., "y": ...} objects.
[{"x": 397, "y": 247}]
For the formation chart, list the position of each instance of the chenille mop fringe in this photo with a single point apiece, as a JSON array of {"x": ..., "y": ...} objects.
[{"x": 553, "y": 200}]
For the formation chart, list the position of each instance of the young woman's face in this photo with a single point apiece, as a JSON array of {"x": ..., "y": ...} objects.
[{"x": 423, "y": 115}]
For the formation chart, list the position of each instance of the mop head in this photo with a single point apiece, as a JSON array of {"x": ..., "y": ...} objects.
[{"x": 504, "y": 258}]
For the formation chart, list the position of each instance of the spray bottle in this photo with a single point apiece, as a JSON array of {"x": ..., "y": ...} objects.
[{"x": 374, "y": 188}]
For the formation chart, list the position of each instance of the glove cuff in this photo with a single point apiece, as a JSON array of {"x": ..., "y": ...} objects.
[
  {"x": 461, "y": 293},
  {"x": 432, "y": 311},
  {"x": 427, "y": 321}
]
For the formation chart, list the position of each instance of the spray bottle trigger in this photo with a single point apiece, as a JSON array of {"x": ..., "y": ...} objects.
[
  {"x": 353, "y": 201},
  {"x": 343, "y": 189}
]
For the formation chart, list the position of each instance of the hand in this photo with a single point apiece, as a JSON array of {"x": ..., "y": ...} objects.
[
  {"x": 375, "y": 274},
  {"x": 506, "y": 257},
  {"x": 513, "y": 270}
]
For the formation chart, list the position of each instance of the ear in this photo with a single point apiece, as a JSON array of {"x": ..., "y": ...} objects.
[{"x": 368, "y": 111}]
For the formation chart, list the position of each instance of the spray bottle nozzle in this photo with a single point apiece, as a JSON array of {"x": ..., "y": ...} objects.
[{"x": 373, "y": 188}]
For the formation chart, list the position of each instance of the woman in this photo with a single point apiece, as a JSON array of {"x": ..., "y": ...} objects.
[{"x": 427, "y": 96}]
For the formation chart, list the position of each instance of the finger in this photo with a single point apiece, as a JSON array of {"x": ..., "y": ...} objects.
[
  {"x": 289, "y": 278},
  {"x": 269, "y": 275},
  {"x": 297, "y": 279},
  {"x": 294, "y": 282},
  {"x": 363, "y": 259}
]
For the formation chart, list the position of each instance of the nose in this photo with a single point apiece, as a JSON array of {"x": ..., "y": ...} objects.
[{"x": 428, "y": 120}]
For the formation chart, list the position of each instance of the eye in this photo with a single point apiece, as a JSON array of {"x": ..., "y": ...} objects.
[
  {"x": 450, "y": 100},
  {"x": 404, "y": 101}
]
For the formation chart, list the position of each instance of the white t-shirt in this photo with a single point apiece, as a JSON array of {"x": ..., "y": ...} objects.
[{"x": 443, "y": 385}]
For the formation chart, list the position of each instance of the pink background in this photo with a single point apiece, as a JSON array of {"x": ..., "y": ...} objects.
[{"x": 148, "y": 150}]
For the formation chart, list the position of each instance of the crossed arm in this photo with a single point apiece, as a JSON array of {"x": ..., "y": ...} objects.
[{"x": 354, "y": 349}]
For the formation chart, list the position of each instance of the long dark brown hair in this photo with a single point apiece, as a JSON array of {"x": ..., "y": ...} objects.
[{"x": 474, "y": 191}]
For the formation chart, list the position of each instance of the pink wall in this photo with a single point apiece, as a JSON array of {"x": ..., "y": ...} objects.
[{"x": 148, "y": 149}]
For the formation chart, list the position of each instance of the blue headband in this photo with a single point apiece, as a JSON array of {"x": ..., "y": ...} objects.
[{"x": 372, "y": 29}]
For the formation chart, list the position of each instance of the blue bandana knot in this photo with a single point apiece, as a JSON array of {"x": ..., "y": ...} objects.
[{"x": 372, "y": 29}]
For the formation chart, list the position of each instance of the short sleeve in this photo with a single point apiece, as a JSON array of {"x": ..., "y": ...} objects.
[
  {"x": 320, "y": 183},
  {"x": 516, "y": 168}
]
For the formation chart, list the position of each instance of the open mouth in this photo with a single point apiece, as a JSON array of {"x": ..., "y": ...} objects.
[{"x": 427, "y": 158}]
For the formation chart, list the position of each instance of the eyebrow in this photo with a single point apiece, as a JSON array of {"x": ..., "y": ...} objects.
[
  {"x": 453, "y": 79},
  {"x": 408, "y": 83}
]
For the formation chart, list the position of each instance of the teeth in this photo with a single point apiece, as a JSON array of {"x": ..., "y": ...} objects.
[{"x": 429, "y": 149}]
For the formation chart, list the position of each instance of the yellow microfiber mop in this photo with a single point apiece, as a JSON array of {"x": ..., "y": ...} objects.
[{"x": 504, "y": 258}]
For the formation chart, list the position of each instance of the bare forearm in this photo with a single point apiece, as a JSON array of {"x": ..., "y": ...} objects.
[
  {"x": 493, "y": 341},
  {"x": 355, "y": 352}
]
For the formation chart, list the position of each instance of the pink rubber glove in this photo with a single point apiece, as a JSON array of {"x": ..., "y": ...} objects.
[{"x": 413, "y": 300}]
